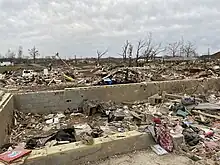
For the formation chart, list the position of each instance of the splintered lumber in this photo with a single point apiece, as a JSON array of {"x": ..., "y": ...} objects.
[{"x": 206, "y": 114}]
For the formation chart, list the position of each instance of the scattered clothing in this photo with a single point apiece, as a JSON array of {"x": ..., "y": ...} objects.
[
  {"x": 68, "y": 134},
  {"x": 191, "y": 136},
  {"x": 164, "y": 138}
]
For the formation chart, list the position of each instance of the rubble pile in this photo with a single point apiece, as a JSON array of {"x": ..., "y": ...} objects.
[
  {"x": 191, "y": 126},
  {"x": 184, "y": 124},
  {"x": 37, "y": 80},
  {"x": 156, "y": 72},
  {"x": 120, "y": 76},
  {"x": 90, "y": 120},
  {"x": 61, "y": 77}
]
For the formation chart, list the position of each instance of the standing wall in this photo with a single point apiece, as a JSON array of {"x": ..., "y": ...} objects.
[
  {"x": 6, "y": 117},
  {"x": 52, "y": 101}
]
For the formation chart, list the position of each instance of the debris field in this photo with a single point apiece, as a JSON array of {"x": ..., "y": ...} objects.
[
  {"x": 186, "y": 125},
  {"x": 59, "y": 77}
]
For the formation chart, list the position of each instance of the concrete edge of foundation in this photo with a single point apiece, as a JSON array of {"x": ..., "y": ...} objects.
[
  {"x": 40, "y": 92},
  {"x": 141, "y": 83},
  {"x": 6, "y": 116},
  {"x": 71, "y": 98},
  {"x": 4, "y": 99},
  {"x": 17, "y": 92},
  {"x": 78, "y": 153}
]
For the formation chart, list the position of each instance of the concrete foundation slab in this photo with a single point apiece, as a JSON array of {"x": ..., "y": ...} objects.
[{"x": 77, "y": 153}]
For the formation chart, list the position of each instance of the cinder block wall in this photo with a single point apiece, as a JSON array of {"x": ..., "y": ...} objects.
[
  {"x": 41, "y": 102},
  {"x": 52, "y": 101},
  {"x": 6, "y": 117},
  {"x": 103, "y": 147}
]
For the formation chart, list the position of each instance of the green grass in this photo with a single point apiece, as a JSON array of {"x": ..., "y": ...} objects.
[
  {"x": 15, "y": 68},
  {"x": 8, "y": 68}
]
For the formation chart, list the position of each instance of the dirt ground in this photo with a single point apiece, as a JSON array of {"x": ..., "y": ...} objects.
[{"x": 146, "y": 158}]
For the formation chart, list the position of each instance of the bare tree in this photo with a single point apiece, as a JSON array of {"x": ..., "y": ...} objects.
[
  {"x": 148, "y": 49},
  {"x": 189, "y": 49},
  {"x": 20, "y": 52},
  {"x": 10, "y": 54},
  {"x": 124, "y": 51},
  {"x": 100, "y": 54},
  {"x": 7, "y": 54},
  {"x": 130, "y": 50},
  {"x": 173, "y": 48},
  {"x": 33, "y": 53},
  {"x": 156, "y": 49},
  {"x": 141, "y": 45},
  {"x": 151, "y": 50}
]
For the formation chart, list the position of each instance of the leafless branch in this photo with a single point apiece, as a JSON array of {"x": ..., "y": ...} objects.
[
  {"x": 124, "y": 50},
  {"x": 156, "y": 49},
  {"x": 189, "y": 49},
  {"x": 141, "y": 45},
  {"x": 20, "y": 52},
  {"x": 130, "y": 50},
  {"x": 10, "y": 54},
  {"x": 173, "y": 48},
  {"x": 151, "y": 50},
  {"x": 34, "y": 53},
  {"x": 100, "y": 54}
]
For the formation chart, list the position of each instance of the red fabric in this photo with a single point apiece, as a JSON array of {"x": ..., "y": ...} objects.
[
  {"x": 164, "y": 138},
  {"x": 157, "y": 120}
]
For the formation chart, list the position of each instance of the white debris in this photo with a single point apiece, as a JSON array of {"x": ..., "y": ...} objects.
[
  {"x": 60, "y": 115},
  {"x": 56, "y": 120},
  {"x": 50, "y": 121},
  {"x": 50, "y": 116}
]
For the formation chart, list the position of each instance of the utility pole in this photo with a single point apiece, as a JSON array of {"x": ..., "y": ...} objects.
[
  {"x": 57, "y": 54},
  {"x": 208, "y": 54},
  {"x": 75, "y": 60}
]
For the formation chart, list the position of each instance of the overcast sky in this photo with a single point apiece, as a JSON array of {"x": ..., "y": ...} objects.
[{"x": 82, "y": 26}]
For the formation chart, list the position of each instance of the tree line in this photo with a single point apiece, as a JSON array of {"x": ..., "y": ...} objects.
[
  {"x": 147, "y": 49},
  {"x": 33, "y": 52},
  {"x": 144, "y": 49}
]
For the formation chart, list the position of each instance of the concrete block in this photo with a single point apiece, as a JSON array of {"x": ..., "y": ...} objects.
[
  {"x": 78, "y": 153},
  {"x": 40, "y": 102},
  {"x": 155, "y": 99},
  {"x": 178, "y": 140}
]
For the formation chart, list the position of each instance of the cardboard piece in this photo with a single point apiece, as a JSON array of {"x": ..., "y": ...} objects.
[{"x": 159, "y": 150}]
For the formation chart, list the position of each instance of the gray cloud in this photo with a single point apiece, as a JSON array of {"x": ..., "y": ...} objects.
[{"x": 83, "y": 26}]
